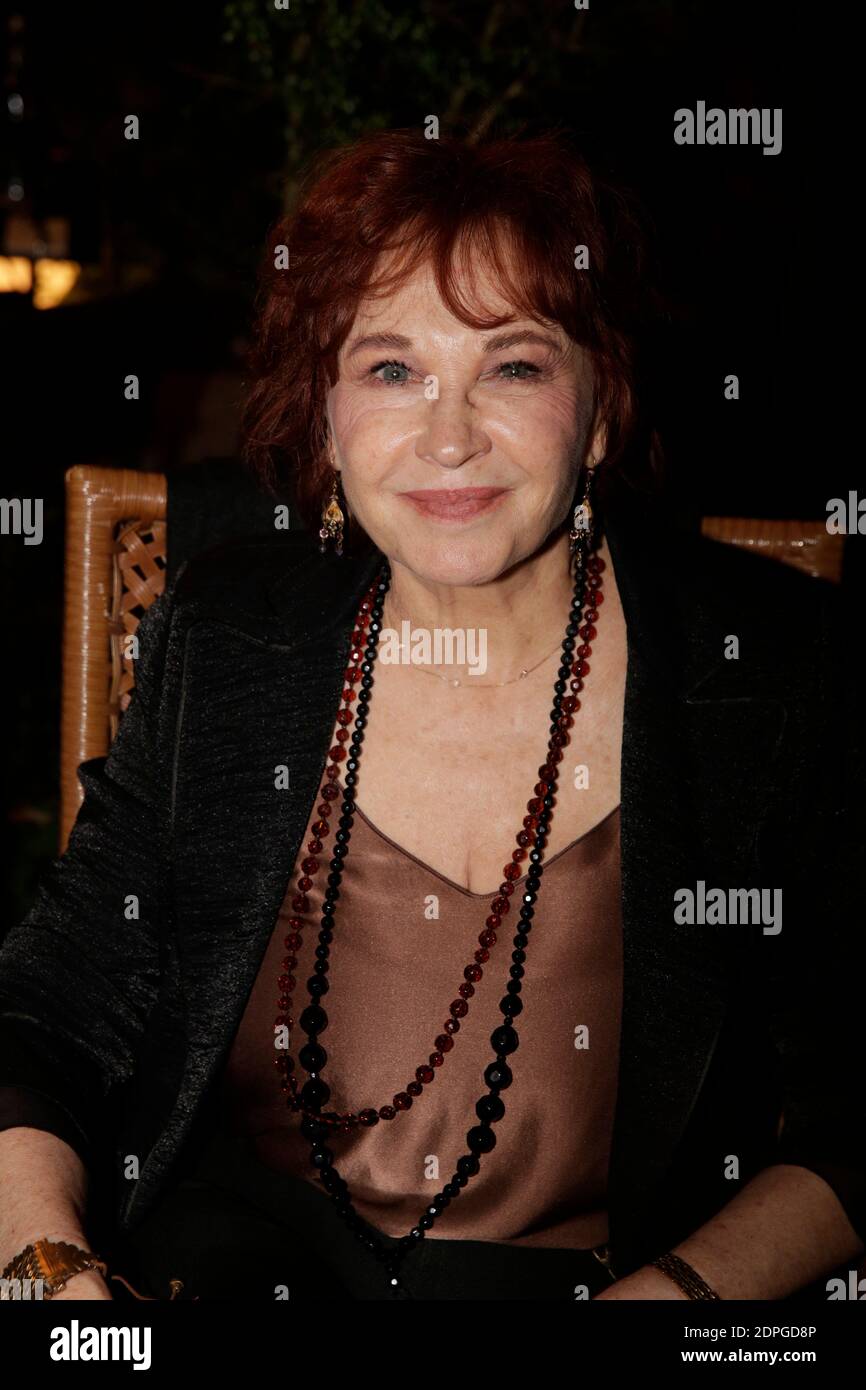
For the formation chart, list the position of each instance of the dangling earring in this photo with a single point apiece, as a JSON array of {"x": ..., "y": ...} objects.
[
  {"x": 582, "y": 520},
  {"x": 332, "y": 521}
]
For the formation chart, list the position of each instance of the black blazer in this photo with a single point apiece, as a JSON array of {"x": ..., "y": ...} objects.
[{"x": 735, "y": 772}]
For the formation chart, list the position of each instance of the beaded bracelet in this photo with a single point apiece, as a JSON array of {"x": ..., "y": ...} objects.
[{"x": 688, "y": 1279}]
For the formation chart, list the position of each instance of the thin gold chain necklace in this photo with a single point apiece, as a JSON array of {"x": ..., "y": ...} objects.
[
  {"x": 483, "y": 685},
  {"x": 471, "y": 683}
]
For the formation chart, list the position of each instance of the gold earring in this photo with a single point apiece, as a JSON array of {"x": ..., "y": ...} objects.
[
  {"x": 332, "y": 520},
  {"x": 582, "y": 520}
]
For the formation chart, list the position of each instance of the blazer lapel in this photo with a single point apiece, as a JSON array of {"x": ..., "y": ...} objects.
[
  {"x": 267, "y": 690},
  {"x": 695, "y": 731}
]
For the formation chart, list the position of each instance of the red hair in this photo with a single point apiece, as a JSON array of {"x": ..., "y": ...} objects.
[{"x": 397, "y": 192}]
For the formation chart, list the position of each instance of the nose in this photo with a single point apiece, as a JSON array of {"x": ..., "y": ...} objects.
[{"x": 452, "y": 434}]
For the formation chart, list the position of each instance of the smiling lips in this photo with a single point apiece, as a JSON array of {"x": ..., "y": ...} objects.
[{"x": 454, "y": 504}]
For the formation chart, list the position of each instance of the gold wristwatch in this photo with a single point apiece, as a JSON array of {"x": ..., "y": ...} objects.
[{"x": 54, "y": 1262}]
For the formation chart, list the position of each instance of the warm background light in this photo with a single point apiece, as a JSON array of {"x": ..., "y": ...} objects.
[
  {"x": 54, "y": 281},
  {"x": 16, "y": 275}
]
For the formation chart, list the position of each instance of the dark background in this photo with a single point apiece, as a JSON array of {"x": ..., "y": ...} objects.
[{"x": 233, "y": 100}]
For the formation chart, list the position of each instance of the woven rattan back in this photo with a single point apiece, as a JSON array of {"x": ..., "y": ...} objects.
[
  {"x": 807, "y": 545},
  {"x": 115, "y": 568}
]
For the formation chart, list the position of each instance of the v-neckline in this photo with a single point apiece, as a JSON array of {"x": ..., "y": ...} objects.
[{"x": 458, "y": 887}]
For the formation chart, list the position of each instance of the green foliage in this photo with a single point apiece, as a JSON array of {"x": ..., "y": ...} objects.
[
  {"x": 261, "y": 90},
  {"x": 339, "y": 69}
]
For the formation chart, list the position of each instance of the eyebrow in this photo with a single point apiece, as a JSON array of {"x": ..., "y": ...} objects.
[{"x": 498, "y": 343}]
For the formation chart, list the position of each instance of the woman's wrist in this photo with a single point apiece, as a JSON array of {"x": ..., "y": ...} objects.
[
  {"x": 43, "y": 1185},
  {"x": 647, "y": 1283},
  {"x": 669, "y": 1276},
  {"x": 51, "y": 1258},
  {"x": 783, "y": 1231},
  {"x": 88, "y": 1284},
  {"x": 17, "y": 1239},
  {"x": 685, "y": 1276}
]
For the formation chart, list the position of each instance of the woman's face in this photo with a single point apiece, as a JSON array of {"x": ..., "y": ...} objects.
[{"x": 459, "y": 449}]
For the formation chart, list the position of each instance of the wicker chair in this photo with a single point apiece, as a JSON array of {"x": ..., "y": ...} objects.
[
  {"x": 115, "y": 568},
  {"x": 116, "y": 565}
]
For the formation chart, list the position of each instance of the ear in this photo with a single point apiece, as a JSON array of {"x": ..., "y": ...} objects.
[
  {"x": 327, "y": 437},
  {"x": 596, "y": 446},
  {"x": 330, "y": 451}
]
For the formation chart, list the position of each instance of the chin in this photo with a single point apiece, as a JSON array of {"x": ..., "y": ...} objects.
[{"x": 456, "y": 560}]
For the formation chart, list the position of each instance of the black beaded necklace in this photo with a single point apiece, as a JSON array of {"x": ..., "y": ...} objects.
[{"x": 317, "y": 1124}]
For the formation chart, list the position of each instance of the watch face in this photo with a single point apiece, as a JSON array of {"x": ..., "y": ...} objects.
[
  {"x": 49, "y": 1264},
  {"x": 57, "y": 1262}
]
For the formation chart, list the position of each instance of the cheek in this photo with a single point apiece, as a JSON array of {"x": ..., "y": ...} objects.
[
  {"x": 550, "y": 436},
  {"x": 550, "y": 414},
  {"x": 546, "y": 431},
  {"x": 365, "y": 433}
]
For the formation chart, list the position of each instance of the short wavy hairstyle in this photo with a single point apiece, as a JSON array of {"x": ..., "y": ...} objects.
[{"x": 396, "y": 199}]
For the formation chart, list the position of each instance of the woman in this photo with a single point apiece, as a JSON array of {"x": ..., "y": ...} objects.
[{"x": 495, "y": 735}]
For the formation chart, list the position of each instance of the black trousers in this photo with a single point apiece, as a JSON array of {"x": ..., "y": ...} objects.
[{"x": 236, "y": 1229}]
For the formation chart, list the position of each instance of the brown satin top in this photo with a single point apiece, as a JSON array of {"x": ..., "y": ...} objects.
[{"x": 402, "y": 937}]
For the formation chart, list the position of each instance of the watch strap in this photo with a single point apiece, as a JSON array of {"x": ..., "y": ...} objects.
[
  {"x": 54, "y": 1262},
  {"x": 687, "y": 1278}
]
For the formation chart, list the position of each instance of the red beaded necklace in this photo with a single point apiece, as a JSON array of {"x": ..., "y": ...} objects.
[{"x": 530, "y": 842}]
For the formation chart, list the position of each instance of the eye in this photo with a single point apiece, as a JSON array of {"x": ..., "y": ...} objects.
[
  {"x": 391, "y": 372},
  {"x": 394, "y": 373},
  {"x": 519, "y": 370}
]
